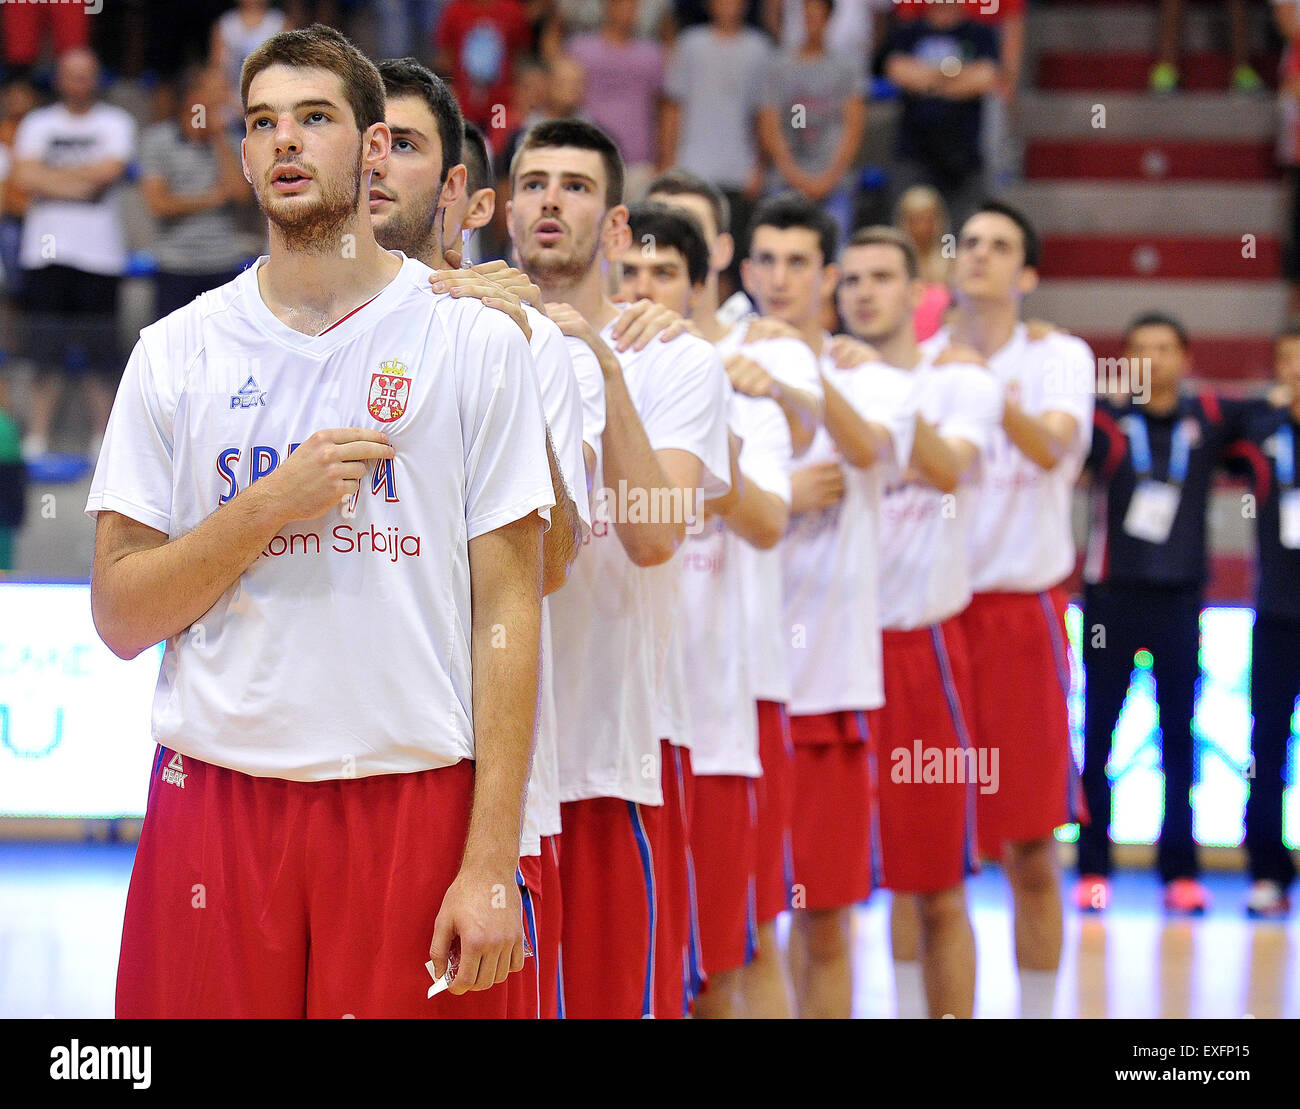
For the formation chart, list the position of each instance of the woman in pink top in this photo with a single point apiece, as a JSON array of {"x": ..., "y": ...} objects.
[{"x": 923, "y": 217}]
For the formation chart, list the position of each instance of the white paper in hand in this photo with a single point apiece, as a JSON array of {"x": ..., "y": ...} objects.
[{"x": 443, "y": 983}]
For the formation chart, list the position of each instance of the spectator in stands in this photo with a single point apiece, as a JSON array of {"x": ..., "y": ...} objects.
[
  {"x": 651, "y": 19},
  {"x": 237, "y": 34},
  {"x": 70, "y": 157},
  {"x": 714, "y": 91},
  {"x": 18, "y": 98},
  {"x": 1266, "y": 454},
  {"x": 406, "y": 26},
  {"x": 26, "y": 27},
  {"x": 1164, "y": 74},
  {"x": 13, "y": 482},
  {"x": 477, "y": 42},
  {"x": 855, "y": 27},
  {"x": 1152, "y": 464},
  {"x": 191, "y": 182},
  {"x": 943, "y": 63},
  {"x": 625, "y": 84},
  {"x": 1006, "y": 18},
  {"x": 923, "y": 218},
  {"x": 813, "y": 118}
]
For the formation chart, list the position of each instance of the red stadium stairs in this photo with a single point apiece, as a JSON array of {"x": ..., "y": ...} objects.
[{"x": 1145, "y": 202}]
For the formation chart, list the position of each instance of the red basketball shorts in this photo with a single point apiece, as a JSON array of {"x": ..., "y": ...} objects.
[
  {"x": 774, "y": 871},
  {"x": 724, "y": 847},
  {"x": 831, "y": 829},
  {"x": 927, "y": 769},
  {"x": 678, "y": 977},
  {"x": 261, "y": 897},
  {"x": 524, "y": 990},
  {"x": 550, "y": 925},
  {"x": 1020, "y": 670},
  {"x": 607, "y": 880}
]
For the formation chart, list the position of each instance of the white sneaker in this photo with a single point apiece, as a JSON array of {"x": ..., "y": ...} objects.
[{"x": 1267, "y": 900}]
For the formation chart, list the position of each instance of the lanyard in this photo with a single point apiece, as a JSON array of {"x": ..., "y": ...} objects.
[
  {"x": 1180, "y": 449},
  {"x": 1285, "y": 456}
]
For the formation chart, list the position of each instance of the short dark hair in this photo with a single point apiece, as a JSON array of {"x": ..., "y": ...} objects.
[
  {"x": 681, "y": 182},
  {"x": 478, "y": 159},
  {"x": 322, "y": 47},
  {"x": 880, "y": 235},
  {"x": 1032, "y": 243},
  {"x": 790, "y": 209},
  {"x": 1158, "y": 319},
  {"x": 1290, "y": 330},
  {"x": 584, "y": 136},
  {"x": 407, "y": 77},
  {"x": 671, "y": 227}
]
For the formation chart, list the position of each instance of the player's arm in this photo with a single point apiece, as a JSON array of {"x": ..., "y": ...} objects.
[
  {"x": 860, "y": 441},
  {"x": 145, "y": 588},
  {"x": 750, "y": 511},
  {"x": 628, "y": 455},
  {"x": 561, "y": 543},
  {"x": 802, "y": 409},
  {"x": 481, "y": 906},
  {"x": 934, "y": 458},
  {"x": 1045, "y": 440},
  {"x": 816, "y": 487}
]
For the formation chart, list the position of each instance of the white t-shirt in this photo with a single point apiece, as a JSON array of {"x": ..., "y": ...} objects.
[
  {"x": 1020, "y": 538},
  {"x": 344, "y": 650},
  {"x": 924, "y": 573},
  {"x": 717, "y": 634},
  {"x": 88, "y": 235},
  {"x": 830, "y": 558},
  {"x": 562, "y": 404},
  {"x": 766, "y": 459},
  {"x": 610, "y": 619},
  {"x": 240, "y": 40}
]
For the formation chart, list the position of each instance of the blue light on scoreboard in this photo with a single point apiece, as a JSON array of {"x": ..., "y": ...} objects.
[{"x": 74, "y": 722}]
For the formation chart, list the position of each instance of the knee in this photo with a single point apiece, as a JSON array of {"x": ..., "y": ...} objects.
[
  {"x": 825, "y": 933},
  {"x": 942, "y": 909},
  {"x": 1031, "y": 867}
]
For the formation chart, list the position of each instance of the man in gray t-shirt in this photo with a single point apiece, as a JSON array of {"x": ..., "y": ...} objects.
[
  {"x": 191, "y": 181},
  {"x": 813, "y": 118},
  {"x": 713, "y": 85}
]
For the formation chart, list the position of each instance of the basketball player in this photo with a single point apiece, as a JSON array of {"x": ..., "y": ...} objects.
[
  {"x": 778, "y": 370},
  {"x": 418, "y": 197},
  {"x": 321, "y": 485},
  {"x": 1021, "y": 550},
  {"x": 665, "y": 437},
  {"x": 927, "y": 842},
  {"x": 723, "y": 721},
  {"x": 781, "y": 367},
  {"x": 830, "y": 609}
]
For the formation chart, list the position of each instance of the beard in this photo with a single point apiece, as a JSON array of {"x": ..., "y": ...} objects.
[
  {"x": 409, "y": 229},
  {"x": 552, "y": 267},
  {"x": 314, "y": 228}
]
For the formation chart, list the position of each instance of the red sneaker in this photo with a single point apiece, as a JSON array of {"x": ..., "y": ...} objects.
[
  {"x": 1092, "y": 893},
  {"x": 1186, "y": 896}
]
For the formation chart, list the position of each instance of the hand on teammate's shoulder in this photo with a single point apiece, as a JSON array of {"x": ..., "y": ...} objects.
[{"x": 847, "y": 352}]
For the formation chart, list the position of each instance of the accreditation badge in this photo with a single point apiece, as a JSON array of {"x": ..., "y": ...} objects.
[{"x": 1151, "y": 511}]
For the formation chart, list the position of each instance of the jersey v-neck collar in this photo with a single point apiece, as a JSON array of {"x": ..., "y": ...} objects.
[{"x": 337, "y": 333}]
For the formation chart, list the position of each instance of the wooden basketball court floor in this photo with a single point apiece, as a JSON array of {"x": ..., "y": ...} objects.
[{"x": 61, "y": 917}]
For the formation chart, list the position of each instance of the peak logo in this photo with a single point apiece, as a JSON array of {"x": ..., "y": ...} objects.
[{"x": 249, "y": 395}]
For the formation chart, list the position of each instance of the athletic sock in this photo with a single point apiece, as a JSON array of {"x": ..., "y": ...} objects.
[
  {"x": 1037, "y": 994},
  {"x": 910, "y": 986}
]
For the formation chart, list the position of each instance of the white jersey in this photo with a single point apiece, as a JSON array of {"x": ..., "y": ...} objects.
[
  {"x": 344, "y": 650},
  {"x": 830, "y": 558},
  {"x": 791, "y": 361},
  {"x": 1020, "y": 538},
  {"x": 766, "y": 459},
  {"x": 562, "y": 403},
  {"x": 924, "y": 572},
  {"x": 610, "y": 618},
  {"x": 716, "y": 630}
]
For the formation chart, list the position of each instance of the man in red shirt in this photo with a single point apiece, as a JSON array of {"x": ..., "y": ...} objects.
[{"x": 477, "y": 42}]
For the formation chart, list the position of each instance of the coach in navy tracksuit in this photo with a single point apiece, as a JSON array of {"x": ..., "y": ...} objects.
[
  {"x": 1151, "y": 466},
  {"x": 1267, "y": 454}
]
